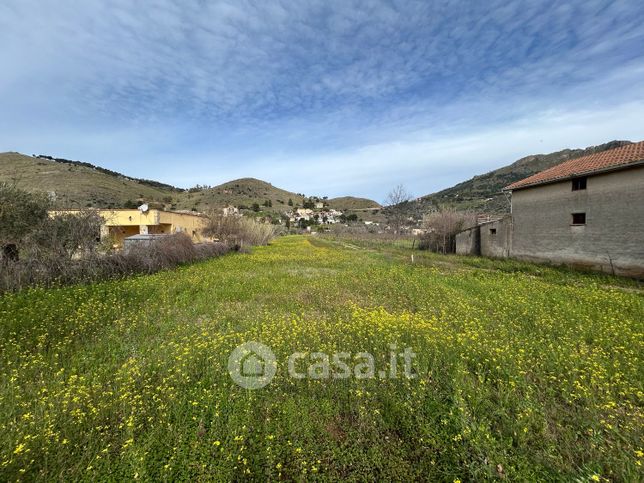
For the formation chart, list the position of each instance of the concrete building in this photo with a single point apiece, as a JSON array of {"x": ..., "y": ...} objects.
[
  {"x": 120, "y": 224},
  {"x": 468, "y": 242},
  {"x": 496, "y": 238},
  {"x": 587, "y": 212}
]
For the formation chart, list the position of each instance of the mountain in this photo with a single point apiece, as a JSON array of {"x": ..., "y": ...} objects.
[
  {"x": 78, "y": 184},
  {"x": 245, "y": 192},
  {"x": 483, "y": 193},
  {"x": 242, "y": 193}
]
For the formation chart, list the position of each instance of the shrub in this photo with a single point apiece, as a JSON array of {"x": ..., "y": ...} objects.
[
  {"x": 52, "y": 269},
  {"x": 442, "y": 228},
  {"x": 66, "y": 235},
  {"x": 66, "y": 248},
  {"x": 237, "y": 231},
  {"x": 20, "y": 213}
]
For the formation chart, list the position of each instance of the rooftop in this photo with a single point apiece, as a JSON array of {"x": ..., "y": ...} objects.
[{"x": 586, "y": 165}]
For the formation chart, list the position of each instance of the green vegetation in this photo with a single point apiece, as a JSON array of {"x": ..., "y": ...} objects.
[
  {"x": 525, "y": 372},
  {"x": 352, "y": 203},
  {"x": 75, "y": 185},
  {"x": 249, "y": 192},
  {"x": 80, "y": 185},
  {"x": 20, "y": 213}
]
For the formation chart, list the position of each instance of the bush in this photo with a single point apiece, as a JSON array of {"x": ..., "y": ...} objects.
[
  {"x": 66, "y": 235},
  {"x": 20, "y": 213},
  {"x": 38, "y": 249},
  {"x": 52, "y": 269},
  {"x": 237, "y": 231},
  {"x": 442, "y": 228}
]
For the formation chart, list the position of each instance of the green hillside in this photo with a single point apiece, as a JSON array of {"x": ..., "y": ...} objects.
[
  {"x": 483, "y": 193},
  {"x": 353, "y": 203},
  {"x": 247, "y": 191},
  {"x": 76, "y": 185},
  {"x": 242, "y": 192}
]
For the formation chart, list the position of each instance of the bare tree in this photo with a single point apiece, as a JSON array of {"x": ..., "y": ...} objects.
[
  {"x": 442, "y": 227},
  {"x": 396, "y": 207},
  {"x": 237, "y": 231},
  {"x": 67, "y": 235}
]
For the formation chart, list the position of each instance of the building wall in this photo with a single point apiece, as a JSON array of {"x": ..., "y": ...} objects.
[
  {"x": 119, "y": 233},
  {"x": 120, "y": 224},
  {"x": 496, "y": 238},
  {"x": 192, "y": 225},
  {"x": 612, "y": 240},
  {"x": 468, "y": 242}
]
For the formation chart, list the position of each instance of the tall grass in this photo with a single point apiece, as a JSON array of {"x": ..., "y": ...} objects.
[{"x": 238, "y": 231}]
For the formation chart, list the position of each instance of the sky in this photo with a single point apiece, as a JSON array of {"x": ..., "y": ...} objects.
[{"x": 321, "y": 97}]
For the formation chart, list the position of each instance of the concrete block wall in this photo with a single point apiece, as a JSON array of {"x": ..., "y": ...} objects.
[
  {"x": 496, "y": 238},
  {"x": 468, "y": 242},
  {"x": 611, "y": 240}
]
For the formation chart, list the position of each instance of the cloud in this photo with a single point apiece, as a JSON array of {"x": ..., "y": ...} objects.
[{"x": 286, "y": 86}]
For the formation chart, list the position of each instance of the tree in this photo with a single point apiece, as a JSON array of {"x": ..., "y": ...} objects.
[
  {"x": 290, "y": 202},
  {"x": 20, "y": 214},
  {"x": 396, "y": 207},
  {"x": 255, "y": 207},
  {"x": 442, "y": 227},
  {"x": 67, "y": 234}
]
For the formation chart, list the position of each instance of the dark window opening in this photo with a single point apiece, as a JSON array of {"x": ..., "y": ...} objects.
[
  {"x": 578, "y": 184},
  {"x": 492, "y": 231},
  {"x": 579, "y": 218}
]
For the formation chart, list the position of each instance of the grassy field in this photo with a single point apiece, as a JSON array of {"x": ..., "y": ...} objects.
[{"x": 523, "y": 372}]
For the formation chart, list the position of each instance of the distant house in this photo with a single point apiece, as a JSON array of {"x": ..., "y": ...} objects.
[
  {"x": 121, "y": 224},
  {"x": 586, "y": 212}
]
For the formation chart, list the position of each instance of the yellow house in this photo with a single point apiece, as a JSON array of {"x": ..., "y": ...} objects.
[{"x": 120, "y": 224}]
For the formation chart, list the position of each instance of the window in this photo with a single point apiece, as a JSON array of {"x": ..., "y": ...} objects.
[
  {"x": 579, "y": 218},
  {"x": 578, "y": 184},
  {"x": 492, "y": 231}
]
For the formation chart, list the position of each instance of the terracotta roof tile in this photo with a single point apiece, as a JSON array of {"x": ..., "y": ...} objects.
[{"x": 597, "y": 162}]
